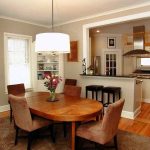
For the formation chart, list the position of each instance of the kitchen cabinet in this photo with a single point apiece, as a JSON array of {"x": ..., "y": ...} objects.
[{"x": 128, "y": 40}]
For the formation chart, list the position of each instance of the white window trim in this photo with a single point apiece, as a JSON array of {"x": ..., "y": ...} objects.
[{"x": 6, "y": 36}]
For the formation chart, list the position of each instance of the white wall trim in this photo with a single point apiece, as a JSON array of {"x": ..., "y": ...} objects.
[
  {"x": 131, "y": 115},
  {"x": 146, "y": 100},
  {"x": 118, "y": 19},
  {"x": 106, "y": 13},
  {"x": 23, "y": 21},
  {"x": 4, "y": 108},
  {"x": 127, "y": 114},
  {"x": 81, "y": 18}
]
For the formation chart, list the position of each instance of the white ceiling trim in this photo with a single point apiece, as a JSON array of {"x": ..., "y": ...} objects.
[
  {"x": 106, "y": 13},
  {"x": 82, "y": 18},
  {"x": 23, "y": 21}
]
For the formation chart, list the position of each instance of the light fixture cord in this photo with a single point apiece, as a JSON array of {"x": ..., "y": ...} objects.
[{"x": 52, "y": 17}]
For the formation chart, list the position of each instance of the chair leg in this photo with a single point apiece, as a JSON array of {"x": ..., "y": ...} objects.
[
  {"x": 16, "y": 137},
  {"x": 78, "y": 142},
  {"x": 29, "y": 141},
  {"x": 115, "y": 142},
  {"x": 65, "y": 129},
  {"x": 52, "y": 130},
  {"x": 11, "y": 114}
]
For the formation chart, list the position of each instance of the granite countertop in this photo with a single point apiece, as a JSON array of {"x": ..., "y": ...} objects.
[{"x": 122, "y": 76}]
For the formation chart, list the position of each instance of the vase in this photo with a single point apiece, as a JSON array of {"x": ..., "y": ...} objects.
[{"x": 52, "y": 95}]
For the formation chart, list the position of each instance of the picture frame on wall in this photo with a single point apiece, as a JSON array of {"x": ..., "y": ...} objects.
[
  {"x": 73, "y": 55},
  {"x": 111, "y": 42}
]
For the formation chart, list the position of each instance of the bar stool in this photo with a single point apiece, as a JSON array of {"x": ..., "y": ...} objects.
[
  {"x": 94, "y": 88},
  {"x": 110, "y": 90}
]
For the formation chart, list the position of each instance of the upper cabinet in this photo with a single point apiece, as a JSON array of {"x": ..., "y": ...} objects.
[{"x": 128, "y": 40}]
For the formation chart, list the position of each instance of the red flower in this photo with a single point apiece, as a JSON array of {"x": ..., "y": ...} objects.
[{"x": 51, "y": 81}]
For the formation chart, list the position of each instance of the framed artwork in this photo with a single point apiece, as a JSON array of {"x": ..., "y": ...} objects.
[
  {"x": 73, "y": 55},
  {"x": 111, "y": 42}
]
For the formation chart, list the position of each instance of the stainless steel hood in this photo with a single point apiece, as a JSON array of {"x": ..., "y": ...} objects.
[{"x": 138, "y": 43}]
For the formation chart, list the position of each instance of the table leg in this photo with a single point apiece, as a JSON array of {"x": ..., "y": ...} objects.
[{"x": 73, "y": 136}]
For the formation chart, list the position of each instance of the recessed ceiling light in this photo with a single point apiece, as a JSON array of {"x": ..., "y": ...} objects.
[{"x": 97, "y": 31}]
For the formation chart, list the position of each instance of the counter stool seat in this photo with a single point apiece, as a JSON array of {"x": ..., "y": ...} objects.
[
  {"x": 94, "y": 88},
  {"x": 110, "y": 90}
]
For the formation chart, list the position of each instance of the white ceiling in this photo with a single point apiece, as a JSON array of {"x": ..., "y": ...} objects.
[{"x": 39, "y": 11}]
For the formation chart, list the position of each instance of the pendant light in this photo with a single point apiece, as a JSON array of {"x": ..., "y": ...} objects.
[{"x": 53, "y": 42}]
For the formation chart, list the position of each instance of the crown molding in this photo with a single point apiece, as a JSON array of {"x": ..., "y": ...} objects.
[
  {"x": 82, "y": 18},
  {"x": 106, "y": 13},
  {"x": 23, "y": 21}
]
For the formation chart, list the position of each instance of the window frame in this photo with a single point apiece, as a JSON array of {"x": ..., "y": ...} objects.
[{"x": 19, "y": 36}]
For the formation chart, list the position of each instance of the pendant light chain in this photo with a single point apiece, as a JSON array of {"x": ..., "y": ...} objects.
[
  {"x": 53, "y": 42},
  {"x": 52, "y": 17}
]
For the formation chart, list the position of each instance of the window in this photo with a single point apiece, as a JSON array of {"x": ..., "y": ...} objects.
[
  {"x": 145, "y": 61},
  {"x": 17, "y": 59}
]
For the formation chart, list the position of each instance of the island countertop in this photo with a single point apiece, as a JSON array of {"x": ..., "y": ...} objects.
[{"x": 119, "y": 76}]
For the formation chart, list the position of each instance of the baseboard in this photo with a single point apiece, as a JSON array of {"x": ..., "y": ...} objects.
[
  {"x": 147, "y": 100},
  {"x": 4, "y": 108},
  {"x": 131, "y": 115},
  {"x": 127, "y": 114}
]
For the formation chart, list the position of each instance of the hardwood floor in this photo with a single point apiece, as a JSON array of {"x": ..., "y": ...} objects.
[
  {"x": 140, "y": 125},
  {"x": 4, "y": 114}
]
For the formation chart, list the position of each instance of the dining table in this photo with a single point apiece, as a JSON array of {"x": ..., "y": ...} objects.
[{"x": 65, "y": 108}]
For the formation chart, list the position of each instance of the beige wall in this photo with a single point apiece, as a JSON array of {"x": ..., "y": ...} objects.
[
  {"x": 72, "y": 69},
  {"x": 120, "y": 31},
  {"x": 17, "y": 28}
]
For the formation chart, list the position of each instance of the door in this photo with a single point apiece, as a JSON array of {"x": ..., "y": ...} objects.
[{"x": 112, "y": 63}]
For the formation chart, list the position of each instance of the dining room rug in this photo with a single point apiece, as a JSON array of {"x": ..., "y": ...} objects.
[{"x": 126, "y": 140}]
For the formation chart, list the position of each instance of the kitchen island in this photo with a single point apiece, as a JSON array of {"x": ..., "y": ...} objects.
[{"x": 131, "y": 90}]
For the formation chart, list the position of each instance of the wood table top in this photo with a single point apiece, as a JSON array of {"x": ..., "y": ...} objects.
[{"x": 67, "y": 108}]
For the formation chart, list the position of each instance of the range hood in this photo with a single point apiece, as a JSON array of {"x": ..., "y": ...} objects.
[{"x": 138, "y": 43}]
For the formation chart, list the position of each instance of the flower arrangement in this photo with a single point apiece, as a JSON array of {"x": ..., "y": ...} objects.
[{"x": 51, "y": 81}]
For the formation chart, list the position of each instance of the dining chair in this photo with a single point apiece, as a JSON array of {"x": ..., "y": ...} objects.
[
  {"x": 71, "y": 82},
  {"x": 15, "y": 89},
  {"x": 24, "y": 121},
  {"x": 72, "y": 90},
  {"x": 102, "y": 132}
]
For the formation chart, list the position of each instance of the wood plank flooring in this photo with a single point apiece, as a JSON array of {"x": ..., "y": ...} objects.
[{"x": 140, "y": 125}]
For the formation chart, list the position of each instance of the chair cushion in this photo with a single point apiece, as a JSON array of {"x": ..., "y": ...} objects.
[
  {"x": 39, "y": 122},
  {"x": 92, "y": 131}
]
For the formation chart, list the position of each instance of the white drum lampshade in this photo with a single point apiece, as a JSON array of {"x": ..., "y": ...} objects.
[{"x": 52, "y": 42}]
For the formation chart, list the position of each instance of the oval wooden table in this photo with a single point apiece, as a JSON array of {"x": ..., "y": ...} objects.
[{"x": 67, "y": 108}]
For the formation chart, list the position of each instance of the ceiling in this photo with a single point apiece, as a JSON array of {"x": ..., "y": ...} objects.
[{"x": 39, "y": 11}]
